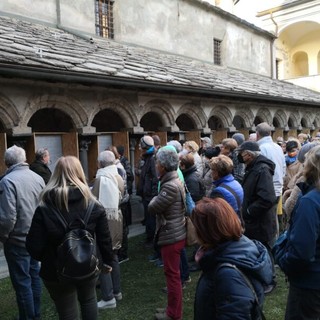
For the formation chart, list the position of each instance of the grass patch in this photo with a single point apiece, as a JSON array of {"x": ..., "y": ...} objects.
[{"x": 141, "y": 289}]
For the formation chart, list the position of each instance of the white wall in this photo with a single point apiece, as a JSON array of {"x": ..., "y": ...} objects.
[
  {"x": 188, "y": 29},
  {"x": 183, "y": 27}
]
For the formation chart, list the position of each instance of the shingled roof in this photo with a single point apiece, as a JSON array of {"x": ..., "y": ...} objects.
[{"x": 26, "y": 45}]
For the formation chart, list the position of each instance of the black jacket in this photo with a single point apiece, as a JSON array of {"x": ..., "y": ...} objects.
[
  {"x": 46, "y": 233},
  {"x": 193, "y": 183},
  {"x": 148, "y": 182},
  {"x": 259, "y": 203},
  {"x": 41, "y": 169}
]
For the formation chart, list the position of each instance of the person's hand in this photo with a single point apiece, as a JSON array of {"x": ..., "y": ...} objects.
[{"x": 106, "y": 268}]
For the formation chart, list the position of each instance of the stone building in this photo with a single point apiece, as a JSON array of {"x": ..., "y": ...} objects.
[
  {"x": 77, "y": 76},
  {"x": 295, "y": 23}
]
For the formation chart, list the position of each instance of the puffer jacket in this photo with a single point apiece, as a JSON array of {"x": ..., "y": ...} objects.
[
  {"x": 46, "y": 233},
  {"x": 222, "y": 293},
  {"x": 169, "y": 208},
  {"x": 259, "y": 202}
]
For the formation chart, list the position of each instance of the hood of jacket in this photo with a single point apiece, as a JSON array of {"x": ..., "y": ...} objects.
[
  {"x": 187, "y": 172},
  {"x": 250, "y": 256},
  {"x": 259, "y": 161}
]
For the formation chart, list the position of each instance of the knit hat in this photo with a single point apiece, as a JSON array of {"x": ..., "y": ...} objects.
[
  {"x": 239, "y": 137},
  {"x": 212, "y": 152},
  {"x": 146, "y": 142},
  {"x": 207, "y": 141},
  {"x": 248, "y": 145}
]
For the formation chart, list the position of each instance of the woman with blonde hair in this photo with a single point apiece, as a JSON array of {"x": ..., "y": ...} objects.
[
  {"x": 69, "y": 195},
  {"x": 229, "y": 262}
]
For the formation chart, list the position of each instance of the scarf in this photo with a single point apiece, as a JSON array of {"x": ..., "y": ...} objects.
[{"x": 109, "y": 193}]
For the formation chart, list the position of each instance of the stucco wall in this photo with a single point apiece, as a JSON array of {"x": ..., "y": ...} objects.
[
  {"x": 183, "y": 27},
  {"x": 189, "y": 29},
  {"x": 74, "y": 14}
]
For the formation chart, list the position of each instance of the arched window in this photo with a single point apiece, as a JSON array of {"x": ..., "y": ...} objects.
[{"x": 300, "y": 64}]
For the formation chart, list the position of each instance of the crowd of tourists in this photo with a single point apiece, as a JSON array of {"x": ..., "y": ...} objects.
[{"x": 246, "y": 192}]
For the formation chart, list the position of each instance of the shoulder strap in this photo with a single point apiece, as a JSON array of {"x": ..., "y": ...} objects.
[
  {"x": 64, "y": 222},
  {"x": 223, "y": 185},
  {"x": 229, "y": 265}
]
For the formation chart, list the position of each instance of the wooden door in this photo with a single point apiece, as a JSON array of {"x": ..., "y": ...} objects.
[
  {"x": 70, "y": 145},
  {"x": 121, "y": 139}
]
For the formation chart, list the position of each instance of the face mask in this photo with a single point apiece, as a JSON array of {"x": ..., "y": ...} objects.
[{"x": 240, "y": 158}]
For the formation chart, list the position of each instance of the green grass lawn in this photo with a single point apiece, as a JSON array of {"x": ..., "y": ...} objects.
[{"x": 141, "y": 289}]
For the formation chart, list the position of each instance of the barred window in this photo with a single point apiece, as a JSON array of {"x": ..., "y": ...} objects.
[
  {"x": 217, "y": 52},
  {"x": 104, "y": 18}
]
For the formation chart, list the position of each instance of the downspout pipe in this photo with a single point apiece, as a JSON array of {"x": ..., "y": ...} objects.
[{"x": 273, "y": 57}]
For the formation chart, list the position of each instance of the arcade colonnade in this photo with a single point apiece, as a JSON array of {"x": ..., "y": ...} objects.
[{"x": 83, "y": 120}]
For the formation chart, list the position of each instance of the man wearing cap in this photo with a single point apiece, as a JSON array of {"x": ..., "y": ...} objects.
[
  {"x": 205, "y": 142},
  {"x": 148, "y": 184},
  {"x": 259, "y": 202}
]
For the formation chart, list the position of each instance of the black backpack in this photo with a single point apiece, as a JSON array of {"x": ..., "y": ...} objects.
[{"x": 77, "y": 254}]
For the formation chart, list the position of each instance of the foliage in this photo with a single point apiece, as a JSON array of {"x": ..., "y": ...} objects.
[{"x": 141, "y": 288}]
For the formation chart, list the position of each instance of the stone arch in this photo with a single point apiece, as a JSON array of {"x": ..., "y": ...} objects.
[
  {"x": 281, "y": 118},
  {"x": 121, "y": 107},
  {"x": 264, "y": 115},
  {"x": 195, "y": 113},
  {"x": 224, "y": 114},
  {"x": 162, "y": 108},
  {"x": 316, "y": 121},
  {"x": 307, "y": 120},
  {"x": 8, "y": 113},
  {"x": 246, "y": 115},
  {"x": 70, "y": 106},
  {"x": 294, "y": 120}
]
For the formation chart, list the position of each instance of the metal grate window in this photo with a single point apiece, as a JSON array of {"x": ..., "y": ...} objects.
[
  {"x": 217, "y": 52},
  {"x": 104, "y": 18}
]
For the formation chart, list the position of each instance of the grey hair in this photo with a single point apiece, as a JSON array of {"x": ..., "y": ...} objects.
[
  {"x": 40, "y": 153},
  {"x": 14, "y": 155},
  {"x": 176, "y": 144},
  {"x": 263, "y": 129},
  {"x": 106, "y": 158},
  {"x": 253, "y": 153},
  {"x": 168, "y": 159}
]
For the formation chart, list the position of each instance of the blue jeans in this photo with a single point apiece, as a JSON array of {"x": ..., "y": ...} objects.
[
  {"x": 184, "y": 267},
  {"x": 66, "y": 297},
  {"x": 110, "y": 282},
  {"x": 24, "y": 275}
]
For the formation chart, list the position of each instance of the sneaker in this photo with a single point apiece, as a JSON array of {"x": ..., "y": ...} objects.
[
  {"x": 159, "y": 263},
  {"x": 161, "y": 310},
  {"x": 268, "y": 289},
  {"x": 102, "y": 304},
  {"x": 162, "y": 316},
  {"x": 188, "y": 280},
  {"x": 121, "y": 260},
  {"x": 118, "y": 296},
  {"x": 153, "y": 258}
]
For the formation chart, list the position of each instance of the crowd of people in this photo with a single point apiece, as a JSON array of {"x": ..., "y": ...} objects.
[{"x": 246, "y": 192}]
